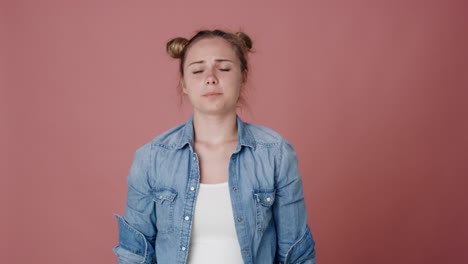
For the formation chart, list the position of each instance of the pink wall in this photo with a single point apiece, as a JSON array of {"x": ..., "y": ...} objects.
[{"x": 372, "y": 94}]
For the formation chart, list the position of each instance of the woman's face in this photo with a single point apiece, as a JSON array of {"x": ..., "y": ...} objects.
[{"x": 212, "y": 76}]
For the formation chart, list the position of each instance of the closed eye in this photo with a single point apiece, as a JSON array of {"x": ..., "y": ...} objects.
[
  {"x": 226, "y": 70},
  {"x": 197, "y": 72}
]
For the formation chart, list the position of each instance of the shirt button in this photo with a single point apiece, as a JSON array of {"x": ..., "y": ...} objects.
[
  {"x": 268, "y": 199},
  {"x": 187, "y": 218},
  {"x": 192, "y": 188},
  {"x": 194, "y": 158},
  {"x": 183, "y": 248},
  {"x": 234, "y": 188},
  {"x": 239, "y": 219}
]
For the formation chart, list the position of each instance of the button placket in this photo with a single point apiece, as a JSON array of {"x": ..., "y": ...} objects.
[{"x": 189, "y": 206}]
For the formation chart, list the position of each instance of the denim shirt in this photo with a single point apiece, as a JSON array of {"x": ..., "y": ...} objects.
[{"x": 265, "y": 190}]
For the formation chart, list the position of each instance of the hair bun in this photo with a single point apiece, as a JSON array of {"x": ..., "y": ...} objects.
[
  {"x": 175, "y": 46},
  {"x": 245, "y": 39}
]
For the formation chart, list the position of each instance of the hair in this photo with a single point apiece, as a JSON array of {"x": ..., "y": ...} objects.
[{"x": 178, "y": 47}]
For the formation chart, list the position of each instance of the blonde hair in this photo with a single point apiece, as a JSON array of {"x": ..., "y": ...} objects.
[{"x": 177, "y": 47}]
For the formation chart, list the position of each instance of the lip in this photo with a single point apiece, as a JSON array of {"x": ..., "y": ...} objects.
[{"x": 212, "y": 94}]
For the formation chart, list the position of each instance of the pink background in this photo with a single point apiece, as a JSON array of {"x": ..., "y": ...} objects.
[{"x": 372, "y": 94}]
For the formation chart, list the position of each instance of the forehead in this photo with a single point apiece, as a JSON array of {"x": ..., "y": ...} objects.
[{"x": 211, "y": 48}]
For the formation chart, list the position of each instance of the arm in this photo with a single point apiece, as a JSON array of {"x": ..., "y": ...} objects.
[
  {"x": 295, "y": 241},
  {"x": 137, "y": 228}
]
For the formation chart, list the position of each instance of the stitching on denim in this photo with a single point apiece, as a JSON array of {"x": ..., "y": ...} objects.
[
  {"x": 268, "y": 144},
  {"x": 260, "y": 205},
  {"x": 169, "y": 196},
  {"x": 297, "y": 242}
]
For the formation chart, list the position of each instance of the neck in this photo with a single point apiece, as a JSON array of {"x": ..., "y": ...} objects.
[{"x": 215, "y": 129}]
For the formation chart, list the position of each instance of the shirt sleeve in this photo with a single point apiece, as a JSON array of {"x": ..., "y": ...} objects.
[
  {"x": 295, "y": 241},
  {"x": 137, "y": 228}
]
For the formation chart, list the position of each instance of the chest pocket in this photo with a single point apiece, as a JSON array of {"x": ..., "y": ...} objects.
[
  {"x": 264, "y": 200},
  {"x": 164, "y": 200}
]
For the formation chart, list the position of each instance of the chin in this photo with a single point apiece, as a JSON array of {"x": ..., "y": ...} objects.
[{"x": 217, "y": 111}]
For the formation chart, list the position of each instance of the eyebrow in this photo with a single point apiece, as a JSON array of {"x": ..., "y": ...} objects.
[{"x": 201, "y": 61}]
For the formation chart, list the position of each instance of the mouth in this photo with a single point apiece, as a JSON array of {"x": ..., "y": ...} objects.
[{"x": 212, "y": 94}]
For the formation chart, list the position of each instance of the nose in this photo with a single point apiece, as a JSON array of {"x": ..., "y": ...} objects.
[{"x": 211, "y": 79}]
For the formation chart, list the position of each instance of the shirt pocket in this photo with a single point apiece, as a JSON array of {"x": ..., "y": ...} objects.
[
  {"x": 164, "y": 202},
  {"x": 264, "y": 200}
]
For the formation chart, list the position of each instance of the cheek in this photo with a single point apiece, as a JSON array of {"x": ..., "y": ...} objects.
[
  {"x": 188, "y": 84},
  {"x": 193, "y": 80}
]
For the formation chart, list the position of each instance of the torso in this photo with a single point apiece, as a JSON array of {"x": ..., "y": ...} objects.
[
  {"x": 214, "y": 238},
  {"x": 214, "y": 160}
]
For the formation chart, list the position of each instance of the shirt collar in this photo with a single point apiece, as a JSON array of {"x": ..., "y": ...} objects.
[{"x": 244, "y": 136}]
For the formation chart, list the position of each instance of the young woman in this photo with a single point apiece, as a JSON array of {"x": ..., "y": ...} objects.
[{"x": 215, "y": 189}]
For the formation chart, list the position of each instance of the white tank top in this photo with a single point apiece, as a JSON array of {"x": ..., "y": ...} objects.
[{"x": 214, "y": 238}]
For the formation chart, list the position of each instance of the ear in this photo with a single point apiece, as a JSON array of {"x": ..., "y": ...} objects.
[
  {"x": 182, "y": 85},
  {"x": 244, "y": 78}
]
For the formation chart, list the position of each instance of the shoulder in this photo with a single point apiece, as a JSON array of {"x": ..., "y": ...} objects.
[
  {"x": 262, "y": 135},
  {"x": 170, "y": 138},
  {"x": 267, "y": 138}
]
